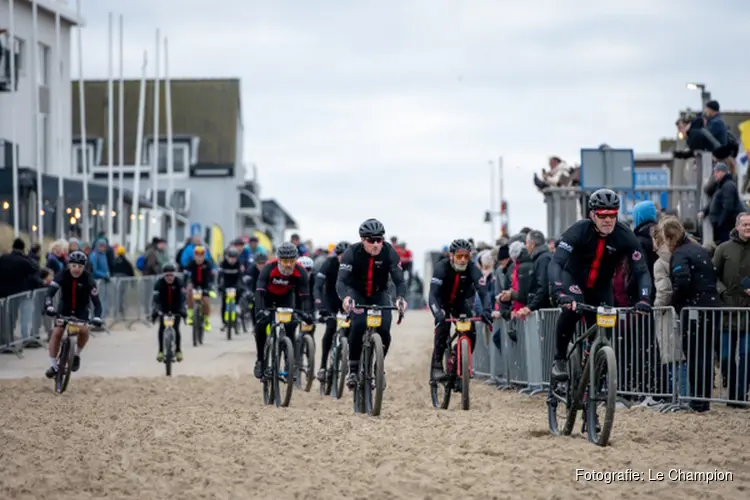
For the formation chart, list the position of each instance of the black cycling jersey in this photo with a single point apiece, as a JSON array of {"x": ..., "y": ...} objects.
[
  {"x": 253, "y": 272},
  {"x": 271, "y": 285},
  {"x": 362, "y": 274},
  {"x": 591, "y": 260},
  {"x": 201, "y": 276},
  {"x": 449, "y": 288},
  {"x": 230, "y": 274},
  {"x": 168, "y": 298},
  {"x": 326, "y": 298},
  {"x": 75, "y": 295}
]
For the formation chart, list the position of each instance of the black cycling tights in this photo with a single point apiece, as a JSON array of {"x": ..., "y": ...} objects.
[
  {"x": 328, "y": 340},
  {"x": 178, "y": 337}
]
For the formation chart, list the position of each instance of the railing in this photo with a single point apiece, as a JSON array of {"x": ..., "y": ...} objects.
[{"x": 666, "y": 360}]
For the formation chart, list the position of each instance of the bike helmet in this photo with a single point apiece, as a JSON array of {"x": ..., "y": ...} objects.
[
  {"x": 261, "y": 258},
  {"x": 371, "y": 228},
  {"x": 77, "y": 257},
  {"x": 286, "y": 250},
  {"x": 604, "y": 199},
  {"x": 341, "y": 247},
  {"x": 199, "y": 250},
  {"x": 459, "y": 244},
  {"x": 305, "y": 262},
  {"x": 232, "y": 252},
  {"x": 169, "y": 268}
]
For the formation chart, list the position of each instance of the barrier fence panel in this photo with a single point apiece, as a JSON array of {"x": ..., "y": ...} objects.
[{"x": 716, "y": 343}]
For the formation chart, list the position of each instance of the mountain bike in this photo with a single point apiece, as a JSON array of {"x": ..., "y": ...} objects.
[
  {"x": 337, "y": 364},
  {"x": 230, "y": 311},
  {"x": 245, "y": 310},
  {"x": 170, "y": 342},
  {"x": 72, "y": 326},
  {"x": 278, "y": 358},
  {"x": 197, "y": 316},
  {"x": 304, "y": 357},
  {"x": 591, "y": 381},
  {"x": 456, "y": 365},
  {"x": 368, "y": 393}
]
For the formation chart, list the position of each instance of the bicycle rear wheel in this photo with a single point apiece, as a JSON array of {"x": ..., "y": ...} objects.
[
  {"x": 269, "y": 384},
  {"x": 307, "y": 361},
  {"x": 340, "y": 367},
  {"x": 62, "y": 378},
  {"x": 285, "y": 364},
  {"x": 562, "y": 409},
  {"x": 442, "y": 401},
  {"x": 602, "y": 392},
  {"x": 465, "y": 360},
  {"x": 168, "y": 352},
  {"x": 374, "y": 382}
]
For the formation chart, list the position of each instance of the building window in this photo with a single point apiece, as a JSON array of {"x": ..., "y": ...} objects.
[
  {"x": 42, "y": 64},
  {"x": 78, "y": 157},
  {"x": 181, "y": 157}
]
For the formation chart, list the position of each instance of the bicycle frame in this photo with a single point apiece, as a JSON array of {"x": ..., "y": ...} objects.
[
  {"x": 462, "y": 328},
  {"x": 606, "y": 318}
]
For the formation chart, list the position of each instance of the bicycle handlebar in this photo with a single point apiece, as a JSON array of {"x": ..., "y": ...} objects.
[
  {"x": 580, "y": 306},
  {"x": 456, "y": 320},
  {"x": 380, "y": 308}
]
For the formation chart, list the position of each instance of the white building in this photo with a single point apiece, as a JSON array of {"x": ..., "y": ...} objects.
[{"x": 53, "y": 91}]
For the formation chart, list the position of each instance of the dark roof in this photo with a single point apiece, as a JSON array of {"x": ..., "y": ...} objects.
[
  {"x": 271, "y": 206},
  {"x": 209, "y": 109}
]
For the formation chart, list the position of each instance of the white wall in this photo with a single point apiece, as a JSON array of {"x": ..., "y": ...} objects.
[{"x": 60, "y": 92}]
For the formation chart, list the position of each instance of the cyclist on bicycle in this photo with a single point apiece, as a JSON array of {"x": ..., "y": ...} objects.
[
  {"x": 327, "y": 302},
  {"x": 230, "y": 273},
  {"x": 452, "y": 289},
  {"x": 168, "y": 298},
  {"x": 307, "y": 264},
  {"x": 198, "y": 274},
  {"x": 584, "y": 264},
  {"x": 250, "y": 279},
  {"x": 281, "y": 283},
  {"x": 77, "y": 290},
  {"x": 363, "y": 279}
]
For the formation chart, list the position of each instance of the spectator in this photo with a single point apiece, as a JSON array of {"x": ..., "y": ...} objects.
[
  {"x": 406, "y": 261},
  {"x": 99, "y": 262},
  {"x": 662, "y": 279},
  {"x": 551, "y": 245},
  {"x": 187, "y": 252},
  {"x": 520, "y": 277},
  {"x": 110, "y": 251},
  {"x": 56, "y": 256},
  {"x": 486, "y": 265},
  {"x": 693, "y": 285},
  {"x": 123, "y": 268},
  {"x": 255, "y": 248},
  {"x": 644, "y": 218},
  {"x": 155, "y": 257},
  {"x": 691, "y": 228},
  {"x": 35, "y": 253},
  {"x": 73, "y": 245},
  {"x": 725, "y": 204},
  {"x": 501, "y": 268},
  {"x": 559, "y": 175},
  {"x": 539, "y": 288},
  {"x": 301, "y": 249},
  {"x": 732, "y": 263},
  {"x": 178, "y": 256},
  {"x": 19, "y": 274}
]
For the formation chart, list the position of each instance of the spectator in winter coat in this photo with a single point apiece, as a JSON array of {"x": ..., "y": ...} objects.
[
  {"x": 693, "y": 285},
  {"x": 645, "y": 217},
  {"x": 123, "y": 268},
  {"x": 520, "y": 277},
  {"x": 725, "y": 204},
  {"x": 56, "y": 256},
  {"x": 732, "y": 263},
  {"x": 540, "y": 259},
  {"x": 662, "y": 279}
]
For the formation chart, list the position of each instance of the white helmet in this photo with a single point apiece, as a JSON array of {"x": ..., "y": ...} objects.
[{"x": 305, "y": 262}]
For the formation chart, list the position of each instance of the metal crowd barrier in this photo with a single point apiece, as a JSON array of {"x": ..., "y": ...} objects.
[{"x": 664, "y": 360}]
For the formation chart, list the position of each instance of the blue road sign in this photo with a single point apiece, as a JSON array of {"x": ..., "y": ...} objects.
[
  {"x": 195, "y": 228},
  {"x": 648, "y": 178}
]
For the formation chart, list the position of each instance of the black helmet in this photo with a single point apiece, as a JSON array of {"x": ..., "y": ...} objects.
[
  {"x": 371, "y": 228},
  {"x": 287, "y": 250},
  {"x": 261, "y": 258},
  {"x": 77, "y": 257},
  {"x": 168, "y": 268},
  {"x": 341, "y": 247},
  {"x": 604, "y": 199},
  {"x": 232, "y": 252},
  {"x": 459, "y": 244}
]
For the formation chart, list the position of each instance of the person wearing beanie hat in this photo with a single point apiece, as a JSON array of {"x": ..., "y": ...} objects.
[{"x": 645, "y": 217}]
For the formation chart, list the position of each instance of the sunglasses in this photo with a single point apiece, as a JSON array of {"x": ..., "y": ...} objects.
[
  {"x": 461, "y": 256},
  {"x": 374, "y": 240},
  {"x": 606, "y": 215}
]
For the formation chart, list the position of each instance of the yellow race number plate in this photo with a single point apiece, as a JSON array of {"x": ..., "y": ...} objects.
[{"x": 463, "y": 326}]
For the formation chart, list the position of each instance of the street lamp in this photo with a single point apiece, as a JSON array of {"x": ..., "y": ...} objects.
[{"x": 705, "y": 95}]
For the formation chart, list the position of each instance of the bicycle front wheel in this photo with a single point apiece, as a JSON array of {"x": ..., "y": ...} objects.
[
  {"x": 285, "y": 365},
  {"x": 168, "y": 352},
  {"x": 602, "y": 395},
  {"x": 374, "y": 380}
]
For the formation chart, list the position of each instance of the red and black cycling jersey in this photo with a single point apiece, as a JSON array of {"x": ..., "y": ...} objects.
[
  {"x": 591, "y": 260},
  {"x": 274, "y": 284},
  {"x": 200, "y": 275},
  {"x": 168, "y": 298},
  {"x": 449, "y": 288},
  {"x": 326, "y": 298},
  {"x": 364, "y": 275},
  {"x": 75, "y": 294}
]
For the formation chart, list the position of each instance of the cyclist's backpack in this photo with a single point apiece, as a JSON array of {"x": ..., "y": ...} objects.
[{"x": 141, "y": 263}]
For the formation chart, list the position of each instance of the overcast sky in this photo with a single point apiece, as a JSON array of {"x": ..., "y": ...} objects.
[{"x": 393, "y": 108}]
